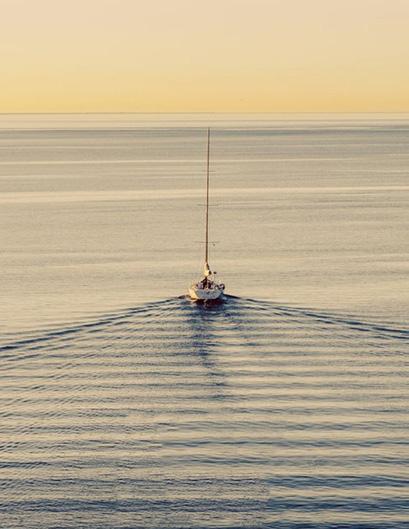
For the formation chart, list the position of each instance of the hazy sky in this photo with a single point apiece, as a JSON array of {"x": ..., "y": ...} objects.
[{"x": 208, "y": 55}]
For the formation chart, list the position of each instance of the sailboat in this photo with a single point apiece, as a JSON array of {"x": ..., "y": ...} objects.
[{"x": 208, "y": 288}]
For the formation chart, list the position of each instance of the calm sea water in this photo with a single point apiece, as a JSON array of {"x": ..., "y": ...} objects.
[{"x": 122, "y": 404}]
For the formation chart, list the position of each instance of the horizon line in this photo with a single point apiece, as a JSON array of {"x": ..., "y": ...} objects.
[{"x": 213, "y": 112}]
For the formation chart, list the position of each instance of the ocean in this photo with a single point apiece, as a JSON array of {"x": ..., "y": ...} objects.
[{"x": 123, "y": 405}]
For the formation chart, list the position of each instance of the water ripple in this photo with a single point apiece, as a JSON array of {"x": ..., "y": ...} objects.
[{"x": 170, "y": 414}]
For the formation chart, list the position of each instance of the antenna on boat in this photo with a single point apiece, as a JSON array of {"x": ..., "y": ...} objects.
[{"x": 206, "y": 267}]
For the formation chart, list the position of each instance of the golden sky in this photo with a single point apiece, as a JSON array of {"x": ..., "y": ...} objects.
[{"x": 209, "y": 55}]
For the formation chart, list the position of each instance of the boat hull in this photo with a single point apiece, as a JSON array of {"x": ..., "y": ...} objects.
[{"x": 205, "y": 294}]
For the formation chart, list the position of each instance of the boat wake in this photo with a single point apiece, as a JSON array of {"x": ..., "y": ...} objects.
[
  {"x": 238, "y": 309},
  {"x": 173, "y": 414}
]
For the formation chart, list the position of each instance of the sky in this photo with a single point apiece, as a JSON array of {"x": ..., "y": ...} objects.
[{"x": 204, "y": 56}]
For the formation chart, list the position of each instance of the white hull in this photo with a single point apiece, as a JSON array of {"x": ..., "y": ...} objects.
[{"x": 205, "y": 294}]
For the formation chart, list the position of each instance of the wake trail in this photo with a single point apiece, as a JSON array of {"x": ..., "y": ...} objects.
[
  {"x": 349, "y": 321},
  {"x": 30, "y": 342},
  {"x": 238, "y": 312}
]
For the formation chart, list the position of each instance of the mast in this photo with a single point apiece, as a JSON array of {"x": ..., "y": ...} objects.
[{"x": 207, "y": 200}]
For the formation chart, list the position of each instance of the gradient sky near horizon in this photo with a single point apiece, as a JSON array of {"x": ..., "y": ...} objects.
[{"x": 214, "y": 55}]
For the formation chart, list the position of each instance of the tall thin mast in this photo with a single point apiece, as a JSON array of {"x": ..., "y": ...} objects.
[{"x": 207, "y": 197}]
